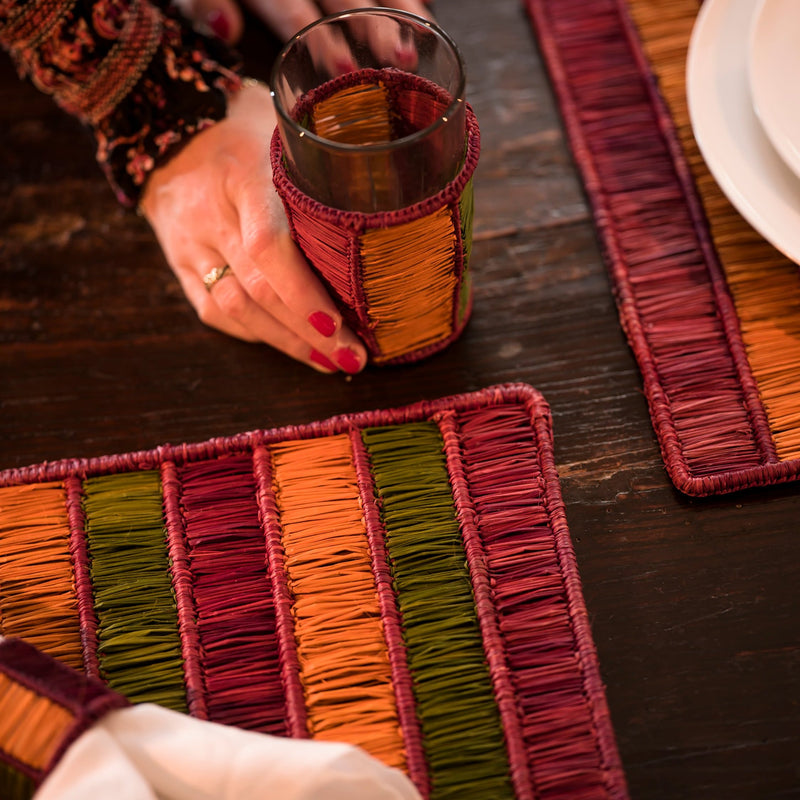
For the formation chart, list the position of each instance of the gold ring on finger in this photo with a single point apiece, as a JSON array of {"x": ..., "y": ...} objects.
[{"x": 216, "y": 275}]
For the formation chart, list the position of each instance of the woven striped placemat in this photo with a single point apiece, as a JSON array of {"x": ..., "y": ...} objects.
[
  {"x": 711, "y": 310},
  {"x": 403, "y": 580}
]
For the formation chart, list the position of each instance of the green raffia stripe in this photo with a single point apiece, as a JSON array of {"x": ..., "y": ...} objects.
[
  {"x": 467, "y": 210},
  {"x": 461, "y": 728},
  {"x": 138, "y": 640},
  {"x": 15, "y": 785},
  {"x": 466, "y": 205}
]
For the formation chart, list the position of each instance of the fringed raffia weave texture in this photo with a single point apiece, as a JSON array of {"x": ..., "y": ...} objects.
[
  {"x": 711, "y": 310},
  {"x": 401, "y": 580}
]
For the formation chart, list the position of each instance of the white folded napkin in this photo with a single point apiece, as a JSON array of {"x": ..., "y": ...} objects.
[{"x": 147, "y": 752}]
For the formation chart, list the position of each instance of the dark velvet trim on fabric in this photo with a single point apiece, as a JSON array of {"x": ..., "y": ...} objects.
[{"x": 87, "y": 699}]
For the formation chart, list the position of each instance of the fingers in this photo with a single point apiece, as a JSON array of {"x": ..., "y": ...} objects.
[
  {"x": 285, "y": 18},
  {"x": 328, "y": 47},
  {"x": 412, "y": 6},
  {"x": 214, "y": 203},
  {"x": 220, "y": 18},
  {"x": 244, "y": 302},
  {"x": 387, "y": 44},
  {"x": 226, "y": 307},
  {"x": 274, "y": 273},
  {"x": 223, "y": 18},
  {"x": 387, "y": 41}
]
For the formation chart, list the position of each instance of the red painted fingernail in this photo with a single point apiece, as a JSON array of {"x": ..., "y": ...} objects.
[
  {"x": 347, "y": 360},
  {"x": 406, "y": 54},
  {"x": 344, "y": 64},
  {"x": 323, "y": 323},
  {"x": 218, "y": 23},
  {"x": 323, "y": 361}
]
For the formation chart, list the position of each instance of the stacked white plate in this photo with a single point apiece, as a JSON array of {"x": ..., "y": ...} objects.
[{"x": 743, "y": 90}]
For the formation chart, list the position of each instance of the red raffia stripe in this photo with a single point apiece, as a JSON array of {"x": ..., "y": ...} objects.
[
  {"x": 536, "y": 613},
  {"x": 227, "y": 576},
  {"x": 325, "y": 243},
  {"x": 674, "y": 304}
]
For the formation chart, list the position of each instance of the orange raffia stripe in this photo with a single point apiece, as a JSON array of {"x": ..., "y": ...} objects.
[
  {"x": 355, "y": 115},
  {"x": 37, "y": 590},
  {"x": 343, "y": 657},
  {"x": 764, "y": 284},
  {"x": 417, "y": 256},
  {"x": 31, "y": 726},
  {"x": 358, "y": 115}
]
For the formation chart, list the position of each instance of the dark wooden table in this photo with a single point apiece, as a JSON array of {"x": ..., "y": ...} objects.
[{"x": 693, "y": 603}]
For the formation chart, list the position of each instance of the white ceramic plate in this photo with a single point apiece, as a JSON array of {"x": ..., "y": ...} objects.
[
  {"x": 774, "y": 70},
  {"x": 737, "y": 151}
]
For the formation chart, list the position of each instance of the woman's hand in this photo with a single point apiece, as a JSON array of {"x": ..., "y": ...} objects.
[
  {"x": 285, "y": 17},
  {"x": 214, "y": 204}
]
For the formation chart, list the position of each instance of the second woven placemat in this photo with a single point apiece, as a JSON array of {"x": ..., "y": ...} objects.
[{"x": 711, "y": 310}]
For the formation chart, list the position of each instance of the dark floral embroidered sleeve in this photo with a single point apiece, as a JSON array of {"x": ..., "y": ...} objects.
[{"x": 136, "y": 74}]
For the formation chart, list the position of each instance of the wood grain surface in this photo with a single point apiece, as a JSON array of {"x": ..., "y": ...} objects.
[{"x": 693, "y": 603}]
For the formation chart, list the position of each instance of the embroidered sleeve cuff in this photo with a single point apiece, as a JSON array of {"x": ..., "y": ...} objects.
[
  {"x": 184, "y": 90},
  {"x": 139, "y": 76}
]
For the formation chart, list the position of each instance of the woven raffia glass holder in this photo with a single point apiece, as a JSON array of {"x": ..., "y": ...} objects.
[{"x": 400, "y": 278}]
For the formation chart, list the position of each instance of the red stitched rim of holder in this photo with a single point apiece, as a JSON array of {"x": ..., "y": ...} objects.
[{"x": 358, "y": 221}]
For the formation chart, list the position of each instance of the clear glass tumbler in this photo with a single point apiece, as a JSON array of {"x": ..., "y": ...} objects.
[{"x": 371, "y": 109}]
